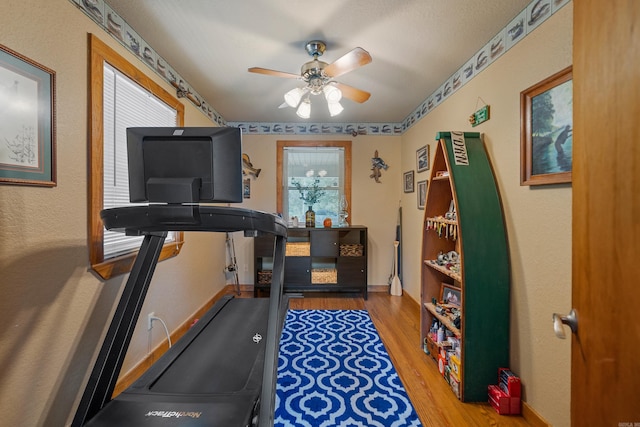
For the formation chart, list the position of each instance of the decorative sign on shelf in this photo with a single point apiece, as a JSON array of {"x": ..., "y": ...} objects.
[
  {"x": 480, "y": 116},
  {"x": 460, "y": 155}
]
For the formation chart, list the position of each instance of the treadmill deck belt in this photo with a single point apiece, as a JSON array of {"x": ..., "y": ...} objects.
[{"x": 212, "y": 376}]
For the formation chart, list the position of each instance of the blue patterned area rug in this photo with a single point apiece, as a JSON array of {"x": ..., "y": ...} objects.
[{"x": 333, "y": 370}]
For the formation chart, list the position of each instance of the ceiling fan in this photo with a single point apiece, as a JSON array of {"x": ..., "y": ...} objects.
[{"x": 318, "y": 77}]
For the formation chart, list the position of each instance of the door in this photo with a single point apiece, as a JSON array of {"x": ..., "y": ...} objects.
[
  {"x": 297, "y": 272},
  {"x": 605, "y": 360},
  {"x": 324, "y": 243}
]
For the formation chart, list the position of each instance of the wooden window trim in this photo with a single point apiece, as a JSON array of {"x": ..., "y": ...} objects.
[
  {"x": 99, "y": 54},
  {"x": 347, "y": 166}
]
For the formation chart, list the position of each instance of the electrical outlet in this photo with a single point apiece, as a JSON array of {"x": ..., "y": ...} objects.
[
  {"x": 246, "y": 268},
  {"x": 150, "y": 317}
]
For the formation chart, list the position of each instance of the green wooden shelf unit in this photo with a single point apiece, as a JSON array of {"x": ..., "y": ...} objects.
[{"x": 462, "y": 181}]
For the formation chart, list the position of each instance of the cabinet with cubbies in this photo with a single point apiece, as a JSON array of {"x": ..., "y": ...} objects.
[
  {"x": 464, "y": 297},
  {"x": 331, "y": 259}
]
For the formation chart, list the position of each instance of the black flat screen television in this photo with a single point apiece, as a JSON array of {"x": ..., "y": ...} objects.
[{"x": 185, "y": 165}]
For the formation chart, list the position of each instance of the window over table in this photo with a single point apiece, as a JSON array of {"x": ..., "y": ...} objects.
[
  {"x": 320, "y": 167},
  {"x": 121, "y": 97}
]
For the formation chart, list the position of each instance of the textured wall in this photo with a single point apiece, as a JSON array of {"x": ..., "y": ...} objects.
[
  {"x": 374, "y": 205},
  {"x": 53, "y": 310},
  {"x": 538, "y": 218}
]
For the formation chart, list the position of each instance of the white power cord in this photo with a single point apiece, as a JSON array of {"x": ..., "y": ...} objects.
[{"x": 166, "y": 330}]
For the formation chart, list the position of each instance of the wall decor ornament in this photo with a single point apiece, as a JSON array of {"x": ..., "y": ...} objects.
[
  {"x": 422, "y": 193},
  {"x": 27, "y": 122},
  {"x": 246, "y": 188},
  {"x": 408, "y": 180},
  {"x": 377, "y": 164},
  {"x": 546, "y": 130},
  {"x": 247, "y": 167},
  {"x": 480, "y": 115},
  {"x": 422, "y": 159}
]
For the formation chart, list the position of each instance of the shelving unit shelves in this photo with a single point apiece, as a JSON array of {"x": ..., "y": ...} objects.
[
  {"x": 462, "y": 183},
  {"x": 332, "y": 259},
  {"x": 431, "y": 263},
  {"x": 444, "y": 319}
]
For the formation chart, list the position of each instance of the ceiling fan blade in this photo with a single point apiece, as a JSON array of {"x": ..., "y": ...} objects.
[
  {"x": 348, "y": 62},
  {"x": 273, "y": 73},
  {"x": 352, "y": 93}
]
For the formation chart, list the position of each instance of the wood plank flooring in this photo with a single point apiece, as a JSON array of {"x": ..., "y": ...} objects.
[{"x": 397, "y": 320}]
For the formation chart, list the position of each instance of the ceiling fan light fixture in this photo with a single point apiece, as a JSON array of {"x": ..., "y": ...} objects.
[
  {"x": 293, "y": 97},
  {"x": 335, "y": 108},
  {"x": 304, "y": 109},
  {"x": 319, "y": 76},
  {"x": 332, "y": 93}
]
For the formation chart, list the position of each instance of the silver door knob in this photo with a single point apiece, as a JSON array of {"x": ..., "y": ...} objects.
[{"x": 571, "y": 320}]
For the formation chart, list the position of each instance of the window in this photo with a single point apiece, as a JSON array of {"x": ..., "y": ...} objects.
[
  {"x": 121, "y": 97},
  {"x": 321, "y": 165}
]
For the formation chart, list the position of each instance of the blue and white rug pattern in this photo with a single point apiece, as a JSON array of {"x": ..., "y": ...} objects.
[{"x": 333, "y": 370}]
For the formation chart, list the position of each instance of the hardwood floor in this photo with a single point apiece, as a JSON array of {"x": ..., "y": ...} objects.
[{"x": 397, "y": 320}]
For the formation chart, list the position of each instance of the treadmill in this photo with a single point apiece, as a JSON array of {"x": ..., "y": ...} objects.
[{"x": 222, "y": 372}]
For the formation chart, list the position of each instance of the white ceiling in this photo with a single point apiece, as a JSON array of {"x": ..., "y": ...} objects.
[{"x": 416, "y": 45}]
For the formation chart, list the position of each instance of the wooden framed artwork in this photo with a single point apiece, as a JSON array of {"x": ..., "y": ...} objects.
[
  {"x": 246, "y": 188},
  {"x": 409, "y": 181},
  {"x": 546, "y": 130},
  {"x": 422, "y": 193},
  {"x": 422, "y": 158},
  {"x": 450, "y": 295},
  {"x": 27, "y": 121}
]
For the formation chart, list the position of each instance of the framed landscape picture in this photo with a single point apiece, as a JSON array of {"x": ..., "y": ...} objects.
[{"x": 546, "y": 130}]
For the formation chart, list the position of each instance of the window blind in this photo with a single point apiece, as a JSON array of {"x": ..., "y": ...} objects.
[{"x": 126, "y": 104}]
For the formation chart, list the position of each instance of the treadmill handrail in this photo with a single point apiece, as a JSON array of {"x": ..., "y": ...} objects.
[{"x": 154, "y": 218}]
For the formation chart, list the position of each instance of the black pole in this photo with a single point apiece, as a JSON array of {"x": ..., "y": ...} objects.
[
  {"x": 269, "y": 375},
  {"x": 114, "y": 348}
]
